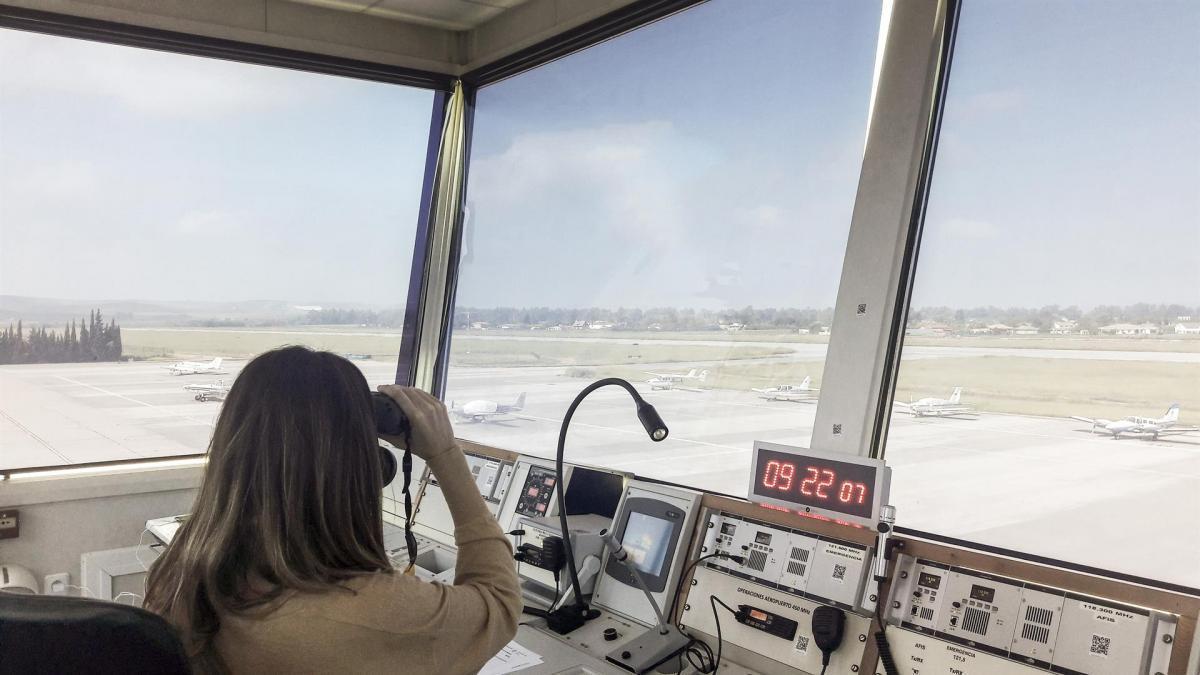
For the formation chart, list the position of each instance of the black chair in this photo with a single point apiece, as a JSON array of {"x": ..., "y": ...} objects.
[{"x": 57, "y": 634}]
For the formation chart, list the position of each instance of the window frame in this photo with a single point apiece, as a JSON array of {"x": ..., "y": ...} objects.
[{"x": 108, "y": 32}]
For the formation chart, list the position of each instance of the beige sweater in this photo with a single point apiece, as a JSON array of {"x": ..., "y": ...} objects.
[{"x": 394, "y": 623}]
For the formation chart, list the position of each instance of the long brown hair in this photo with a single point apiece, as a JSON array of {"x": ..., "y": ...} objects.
[{"x": 291, "y": 498}]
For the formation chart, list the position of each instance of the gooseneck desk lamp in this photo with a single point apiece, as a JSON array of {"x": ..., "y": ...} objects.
[{"x": 569, "y": 617}]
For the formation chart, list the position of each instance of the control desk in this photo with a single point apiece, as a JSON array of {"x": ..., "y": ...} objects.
[{"x": 789, "y": 580}]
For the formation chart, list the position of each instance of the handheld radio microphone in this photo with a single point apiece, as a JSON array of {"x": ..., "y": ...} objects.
[{"x": 655, "y": 646}]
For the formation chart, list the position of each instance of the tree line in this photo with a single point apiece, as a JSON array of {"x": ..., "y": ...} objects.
[
  {"x": 791, "y": 318},
  {"x": 90, "y": 339},
  {"x": 1045, "y": 317}
]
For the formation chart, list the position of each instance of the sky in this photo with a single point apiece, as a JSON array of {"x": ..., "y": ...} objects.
[
  {"x": 708, "y": 160},
  {"x": 132, "y": 174}
]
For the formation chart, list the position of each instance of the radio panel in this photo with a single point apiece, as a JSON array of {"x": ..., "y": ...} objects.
[
  {"x": 777, "y": 624},
  {"x": 799, "y": 563},
  {"x": 1041, "y": 628}
]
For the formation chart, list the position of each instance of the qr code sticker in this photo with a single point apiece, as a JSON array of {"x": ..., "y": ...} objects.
[
  {"x": 839, "y": 572},
  {"x": 802, "y": 644},
  {"x": 1100, "y": 645}
]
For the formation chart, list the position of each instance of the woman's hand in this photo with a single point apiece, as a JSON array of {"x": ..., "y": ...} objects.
[{"x": 431, "y": 433}]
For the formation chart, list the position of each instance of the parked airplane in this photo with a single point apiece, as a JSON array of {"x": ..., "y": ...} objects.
[
  {"x": 195, "y": 367},
  {"x": 1140, "y": 426},
  {"x": 481, "y": 410},
  {"x": 209, "y": 392},
  {"x": 789, "y": 392},
  {"x": 669, "y": 380},
  {"x": 939, "y": 407}
]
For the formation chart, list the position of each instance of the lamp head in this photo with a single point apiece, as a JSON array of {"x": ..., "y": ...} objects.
[{"x": 652, "y": 421}]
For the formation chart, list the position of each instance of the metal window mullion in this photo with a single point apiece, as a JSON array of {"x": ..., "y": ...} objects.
[
  {"x": 432, "y": 317},
  {"x": 876, "y": 272}
]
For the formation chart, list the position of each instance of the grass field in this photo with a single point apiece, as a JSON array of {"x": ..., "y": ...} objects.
[
  {"x": 466, "y": 351},
  {"x": 1165, "y": 343},
  {"x": 1006, "y": 384},
  {"x": 1002, "y": 384}
]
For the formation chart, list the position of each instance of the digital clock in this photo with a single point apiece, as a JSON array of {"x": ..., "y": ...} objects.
[{"x": 835, "y": 485}]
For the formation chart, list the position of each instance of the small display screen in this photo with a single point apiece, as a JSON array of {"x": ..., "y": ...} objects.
[
  {"x": 828, "y": 484},
  {"x": 983, "y": 593},
  {"x": 931, "y": 581},
  {"x": 646, "y": 540},
  {"x": 728, "y": 528},
  {"x": 763, "y": 538}
]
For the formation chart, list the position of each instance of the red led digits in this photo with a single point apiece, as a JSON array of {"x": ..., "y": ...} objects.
[
  {"x": 806, "y": 485},
  {"x": 846, "y": 493},
  {"x": 779, "y": 475},
  {"x": 786, "y": 473},
  {"x": 827, "y": 478},
  {"x": 771, "y": 475}
]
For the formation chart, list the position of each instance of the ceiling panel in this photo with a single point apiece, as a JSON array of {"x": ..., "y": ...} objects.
[{"x": 458, "y": 15}]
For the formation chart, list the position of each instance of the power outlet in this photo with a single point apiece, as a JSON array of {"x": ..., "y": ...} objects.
[
  {"x": 57, "y": 584},
  {"x": 10, "y": 523}
]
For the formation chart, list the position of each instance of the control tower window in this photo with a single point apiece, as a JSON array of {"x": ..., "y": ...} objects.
[
  {"x": 1057, "y": 292},
  {"x": 670, "y": 207},
  {"x": 165, "y": 217}
]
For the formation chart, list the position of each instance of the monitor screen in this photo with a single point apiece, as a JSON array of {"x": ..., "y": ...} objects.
[{"x": 646, "y": 540}]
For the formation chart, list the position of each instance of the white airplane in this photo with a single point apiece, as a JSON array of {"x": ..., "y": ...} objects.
[
  {"x": 939, "y": 407},
  {"x": 789, "y": 392},
  {"x": 669, "y": 380},
  {"x": 481, "y": 410},
  {"x": 1133, "y": 425},
  {"x": 209, "y": 392},
  {"x": 195, "y": 367}
]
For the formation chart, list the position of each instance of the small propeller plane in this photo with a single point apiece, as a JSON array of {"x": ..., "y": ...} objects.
[
  {"x": 209, "y": 392},
  {"x": 940, "y": 407},
  {"x": 195, "y": 367},
  {"x": 671, "y": 380},
  {"x": 482, "y": 410},
  {"x": 1133, "y": 425},
  {"x": 790, "y": 392}
]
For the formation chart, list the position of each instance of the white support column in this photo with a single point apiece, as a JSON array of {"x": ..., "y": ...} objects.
[{"x": 873, "y": 272}]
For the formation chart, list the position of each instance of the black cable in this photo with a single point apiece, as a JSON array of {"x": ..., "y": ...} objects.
[
  {"x": 689, "y": 568},
  {"x": 714, "y": 601},
  {"x": 557, "y": 591},
  {"x": 881, "y": 644}
]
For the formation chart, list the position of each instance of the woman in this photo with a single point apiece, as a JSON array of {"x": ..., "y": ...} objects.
[{"x": 281, "y": 566}]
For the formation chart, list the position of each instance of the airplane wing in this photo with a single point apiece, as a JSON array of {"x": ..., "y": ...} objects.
[
  {"x": 795, "y": 395},
  {"x": 1171, "y": 431},
  {"x": 1098, "y": 422}
]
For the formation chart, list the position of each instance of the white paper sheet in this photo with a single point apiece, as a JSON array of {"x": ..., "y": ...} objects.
[{"x": 512, "y": 657}]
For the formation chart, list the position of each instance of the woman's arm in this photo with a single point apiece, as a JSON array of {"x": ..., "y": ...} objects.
[{"x": 471, "y": 620}]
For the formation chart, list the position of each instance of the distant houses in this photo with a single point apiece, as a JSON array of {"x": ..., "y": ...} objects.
[
  {"x": 1131, "y": 329},
  {"x": 1187, "y": 328}
]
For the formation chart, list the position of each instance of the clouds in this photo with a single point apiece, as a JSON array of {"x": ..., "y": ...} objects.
[
  {"x": 644, "y": 214},
  {"x": 152, "y": 84}
]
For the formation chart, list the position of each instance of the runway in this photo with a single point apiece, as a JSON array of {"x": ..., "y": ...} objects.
[{"x": 1005, "y": 480}]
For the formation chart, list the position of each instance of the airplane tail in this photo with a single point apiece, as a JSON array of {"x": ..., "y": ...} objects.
[
  {"x": 957, "y": 395},
  {"x": 807, "y": 382},
  {"x": 1172, "y": 413},
  {"x": 692, "y": 373},
  {"x": 520, "y": 404},
  {"x": 703, "y": 375},
  {"x": 216, "y": 363}
]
